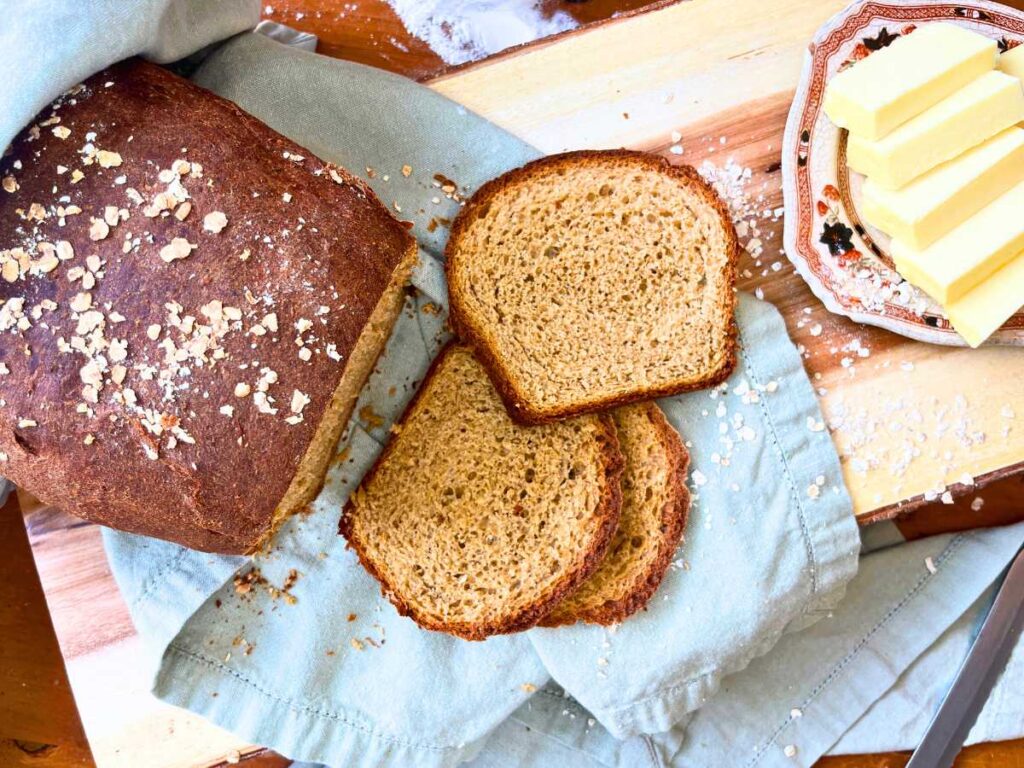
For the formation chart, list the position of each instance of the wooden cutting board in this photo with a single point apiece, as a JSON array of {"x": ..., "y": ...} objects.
[{"x": 914, "y": 417}]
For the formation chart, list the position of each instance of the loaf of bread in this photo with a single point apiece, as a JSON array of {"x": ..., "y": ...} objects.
[
  {"x": 475, "y": 525},
  {"x": 655, "y": 503},
  {"x": 593, "y": 279},
  {"x": 189, "y": 306}
]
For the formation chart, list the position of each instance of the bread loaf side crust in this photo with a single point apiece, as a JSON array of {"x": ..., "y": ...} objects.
[
  {"x": 674, "y": 516},
  {"x": 476, "y": 336},
  {"x": 607, "y": 510},
  {"x": 289, "y": 236},
  {"x": 309, "y": 477}
]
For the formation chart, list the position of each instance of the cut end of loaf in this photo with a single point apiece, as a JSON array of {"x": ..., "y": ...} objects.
[
  {"x": 593, "y": 279},
  {"x": 475, "y": 525},
  {"x": 309, "y": 478}
]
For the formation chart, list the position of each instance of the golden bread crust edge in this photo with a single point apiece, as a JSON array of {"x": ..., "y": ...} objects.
[
  {"x": 674, "y": 516},
  {"x": 467, "y": 330},
  {"x": 607, "y": 511}
]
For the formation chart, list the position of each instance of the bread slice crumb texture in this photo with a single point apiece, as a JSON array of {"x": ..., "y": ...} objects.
[
  {"x": 476, "y": 525},
  {"x": 592, "y": 279},
  {"x": 655, "y": 504}
]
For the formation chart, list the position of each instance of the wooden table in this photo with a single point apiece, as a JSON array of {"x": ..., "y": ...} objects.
[{"x": 693, "y": 68}]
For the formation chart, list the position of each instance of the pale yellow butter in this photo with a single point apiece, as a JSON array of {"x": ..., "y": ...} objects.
[
  {"x": 954, "y": 264},
  {"x": 913, "y": 73},
  {"x": 1012, "y": 62},
  {"x": 983, "y": 310},
  {"x": 936, "y": 202},
  {"x": 984, "y": 107}
]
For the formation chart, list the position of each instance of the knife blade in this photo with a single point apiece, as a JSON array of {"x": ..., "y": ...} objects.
[{"x": 977, "y": 675}]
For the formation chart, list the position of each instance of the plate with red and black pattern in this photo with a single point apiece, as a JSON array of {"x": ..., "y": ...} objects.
[{"x": 844, "y": 260}]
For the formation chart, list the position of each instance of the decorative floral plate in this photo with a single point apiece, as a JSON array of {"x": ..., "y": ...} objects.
[{"x": 843, "y": 260}]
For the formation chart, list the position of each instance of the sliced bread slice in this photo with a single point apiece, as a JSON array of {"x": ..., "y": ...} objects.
[
  {"x": 655, "y": 504},
  {"x": 475, "y": 525},
  {"x": 593, "y": 279}
]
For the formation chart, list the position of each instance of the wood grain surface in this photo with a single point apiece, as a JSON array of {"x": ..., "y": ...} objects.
[
  {"x": 39, "y": 722},
  {"x": 369, "y": 32},
  {"x": 735, "y": 84}
]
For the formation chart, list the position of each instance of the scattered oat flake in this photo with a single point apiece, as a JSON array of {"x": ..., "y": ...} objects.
[
  {"x": 789, "y": 750},
  {"x": 299, "y": 401},
  {"x": 81, "y": 302},
  {"x": 526, "y": 687},
  {"x": 108, "y": 159},
  {"x": 407, "y": 170},
  {"x": 215, "y": 221},
  {"x": 930, "y": 565},
  {"x": 178, "y": 248},
  {"x": 61, "y": 131},
  {"x": 10, "y": 184},
  {"x": 98, "y": 230}
]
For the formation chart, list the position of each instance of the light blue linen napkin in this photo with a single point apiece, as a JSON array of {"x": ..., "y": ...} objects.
[
  {"x": 326, "y": 670},
  {"x": 867, "y": 678},
  {"x": 50, "y": 45}
]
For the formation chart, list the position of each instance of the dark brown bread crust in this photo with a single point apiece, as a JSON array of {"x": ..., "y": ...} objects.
[
  {"x": 507, "y": 387},
  {"x": 608, "y": 510},
  {"x": 317, "y": 237},
  {"x": 674, "y": 517}
]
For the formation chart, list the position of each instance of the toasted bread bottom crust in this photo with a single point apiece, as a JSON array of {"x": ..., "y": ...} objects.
[
  {"x": 516, "y": 401},
  {"x": 608, "y": 509},
  {"x": 674, "y": 516}
]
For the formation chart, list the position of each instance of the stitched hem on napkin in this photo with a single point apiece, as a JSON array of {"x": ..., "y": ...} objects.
[
  {"x": 313, "y": 730},
  {"x": 846, "y": 673},
  {"x": 966, "y": 567}
]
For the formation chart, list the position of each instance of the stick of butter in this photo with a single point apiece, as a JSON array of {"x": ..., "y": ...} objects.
[
  {"x": 938, "y": 201},
  {"x": 979, "y": 314},
  {"x": 979, "y": 110},
  {"x": 957, "y": 262},
  {"x": 913, "y": 73},
  {"x": 1012, "y": 62}
]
